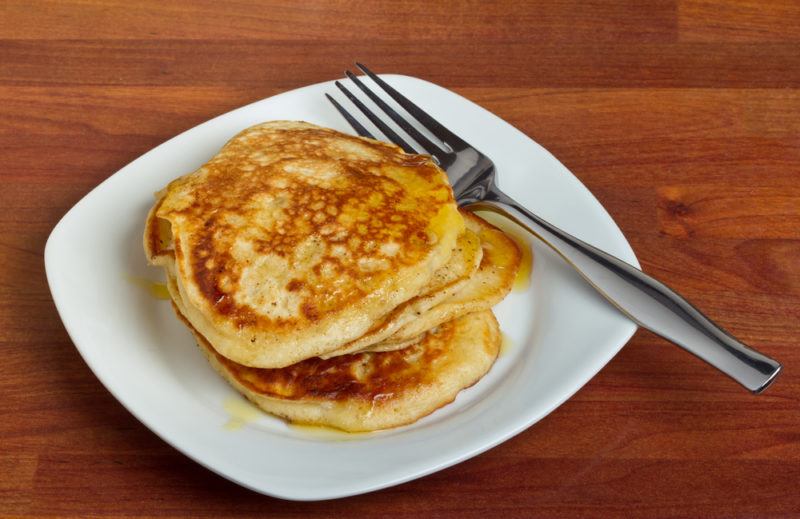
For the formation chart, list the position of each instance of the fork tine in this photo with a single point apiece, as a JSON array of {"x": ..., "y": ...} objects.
[
  {"x": 357, "y": 126},
  {"x": 415, "y": 134},
  {"x": 382, "y": 126},
  {"x": 434, "y": 126}
]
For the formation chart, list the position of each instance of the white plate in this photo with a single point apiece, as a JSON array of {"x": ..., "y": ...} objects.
[{"x": 561, "y": 332}]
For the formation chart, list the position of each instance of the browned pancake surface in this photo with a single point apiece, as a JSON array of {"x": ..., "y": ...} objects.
[{"x": 296, "y": 239}]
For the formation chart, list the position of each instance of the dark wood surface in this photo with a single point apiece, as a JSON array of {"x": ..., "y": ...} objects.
[{"x": 681, "y": 116}]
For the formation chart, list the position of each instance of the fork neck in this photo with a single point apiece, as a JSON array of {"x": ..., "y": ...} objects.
[{"x": 475, "y": 183}]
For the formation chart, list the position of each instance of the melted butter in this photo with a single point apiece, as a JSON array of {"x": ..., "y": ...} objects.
[
  {"x": 523, "y": 280},
  {"x": 416, "y": 184},
  {"x": 447, "y": 218},
  {"x": 506, "y": 343},
  {"x": 155, "y": 289},
  {"x": 241, "y": 413},
  {"x": 320, "y": 432}
]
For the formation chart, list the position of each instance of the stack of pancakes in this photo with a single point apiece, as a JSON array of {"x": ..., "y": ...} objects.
[{"x": 332, "y": 279}]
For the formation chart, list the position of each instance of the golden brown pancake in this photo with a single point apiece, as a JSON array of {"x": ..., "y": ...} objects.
[
  {"x": 446, "y": 282},
  {"x": 295, "y": 240},
  {"x": 488, "y": 286},
  {"x": 371, "y": 391}
]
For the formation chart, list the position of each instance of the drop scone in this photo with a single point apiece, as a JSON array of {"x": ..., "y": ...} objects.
[
  {"x": 371, "y": 391},
  {"x": 487, "y": 286},
  {"x": 447, "y": 282},
  {"x": 331, "y": 279},
  {"x": 295, "y": 240}
]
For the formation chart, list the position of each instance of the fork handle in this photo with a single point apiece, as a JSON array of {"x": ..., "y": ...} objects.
[{"x": 647, "y": 301}]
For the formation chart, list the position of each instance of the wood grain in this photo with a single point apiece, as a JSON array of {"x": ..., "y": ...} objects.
[
  {"x": 345, "y": 20},
  {"x": 738, "y": 20},
  {"x": 682, "y": 117}
]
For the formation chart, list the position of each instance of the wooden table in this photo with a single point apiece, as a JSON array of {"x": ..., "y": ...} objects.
[{"x": 681, "y": 116}]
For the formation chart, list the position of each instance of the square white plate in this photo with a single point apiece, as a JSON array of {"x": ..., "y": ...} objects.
[{"x": 561, "y": 332}]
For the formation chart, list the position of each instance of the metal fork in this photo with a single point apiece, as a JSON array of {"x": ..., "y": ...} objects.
[{"x": 646, "y": 301}]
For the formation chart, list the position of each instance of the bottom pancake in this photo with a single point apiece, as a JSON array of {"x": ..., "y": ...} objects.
[{"x": 371, "y": 391}]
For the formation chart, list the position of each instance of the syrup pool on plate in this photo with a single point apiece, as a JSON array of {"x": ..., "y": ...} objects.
[
  {"x": 240, "y": 412},
  {"x": 154, "y": 288}
]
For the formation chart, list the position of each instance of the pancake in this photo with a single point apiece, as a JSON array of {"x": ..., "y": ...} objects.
[
  {"x": 488, "y": 286},
  {"x": 446, "y": 282},
  {"x": 371, "y": 391},
  {"x": 295, "y": 240}
]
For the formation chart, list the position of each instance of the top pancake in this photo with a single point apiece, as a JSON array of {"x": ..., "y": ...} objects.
[{"x": 296, "y": 239}]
